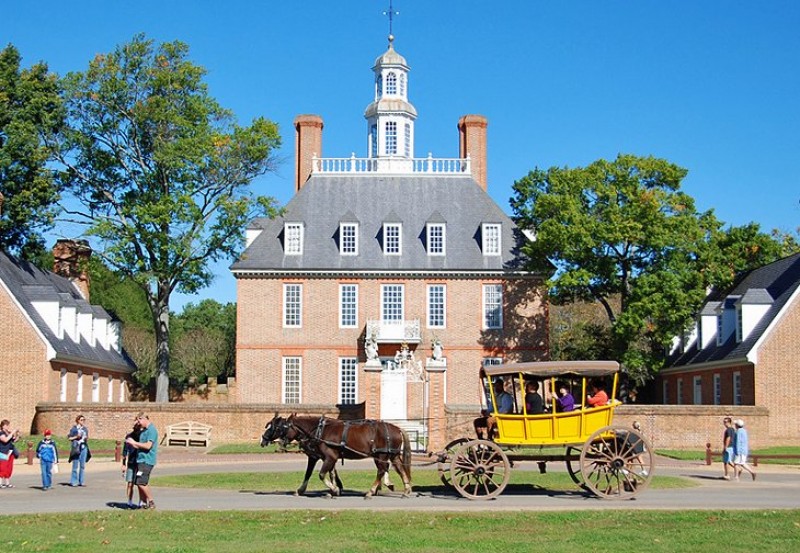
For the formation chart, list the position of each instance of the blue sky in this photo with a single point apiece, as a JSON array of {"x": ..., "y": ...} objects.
[{"x": 713, "y": 86}]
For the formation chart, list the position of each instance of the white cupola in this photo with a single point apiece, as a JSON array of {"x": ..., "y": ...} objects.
[{"x": 390, "y": 117}]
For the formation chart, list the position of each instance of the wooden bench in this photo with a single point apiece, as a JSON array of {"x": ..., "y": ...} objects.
[{"x": 188, "y": 433}]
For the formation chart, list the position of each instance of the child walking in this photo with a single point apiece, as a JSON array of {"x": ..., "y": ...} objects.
[
  {"x": 129, "y": 462},
  {"x": 47, "y": 452}
]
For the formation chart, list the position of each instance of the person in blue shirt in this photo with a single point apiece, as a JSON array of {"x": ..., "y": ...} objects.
[
  {"x": 47, "y": 453},
  {"x": 147, "y": 447},
  {"x": 79, "y": 451},
  {"x": 741, "y": 449}
]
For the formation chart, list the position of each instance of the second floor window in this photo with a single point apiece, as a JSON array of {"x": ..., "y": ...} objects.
[
  {"x": 293, "y": 305},
  {"x": 436, "y": 306},
  {"x": 293, "y": 238},
  {"x": 391, "y": 302},
  {"x": 348, "y": 236},
  {"x": 348, "y": 305},
  {"x": 492, "y": 306},
  {"x": 392, "y": 240}
]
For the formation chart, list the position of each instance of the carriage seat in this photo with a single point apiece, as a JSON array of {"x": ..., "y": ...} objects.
[{"x": 188, "y": 433}]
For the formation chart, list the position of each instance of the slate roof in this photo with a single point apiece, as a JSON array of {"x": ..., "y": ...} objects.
[
  {"x": 778, "y": 280},
  {"x": 326, "y": 200},
  {"x": 28, "y": 283}
]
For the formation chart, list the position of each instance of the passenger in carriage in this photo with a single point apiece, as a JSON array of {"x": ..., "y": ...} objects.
[
  {"x": 534, "y": 404},
  {"x": 564, "y": 402},
  {"x": 485, "y": 425},
  {"x": 598, "y": 397}
]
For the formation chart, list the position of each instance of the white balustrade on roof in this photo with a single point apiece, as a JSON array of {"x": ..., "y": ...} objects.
[{"x": 392, "y": 166}]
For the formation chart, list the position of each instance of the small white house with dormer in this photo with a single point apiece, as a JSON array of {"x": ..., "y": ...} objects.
[{"x": 745, "y": 349}]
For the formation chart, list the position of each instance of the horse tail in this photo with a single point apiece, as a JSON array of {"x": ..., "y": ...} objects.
[{"x": 406, "y": 454}]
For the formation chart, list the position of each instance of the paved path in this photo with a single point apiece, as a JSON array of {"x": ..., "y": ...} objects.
[{"x": 776, "y": 488}]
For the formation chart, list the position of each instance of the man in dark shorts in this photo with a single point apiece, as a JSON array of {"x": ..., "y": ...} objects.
[{"x": 147, "y": 447}]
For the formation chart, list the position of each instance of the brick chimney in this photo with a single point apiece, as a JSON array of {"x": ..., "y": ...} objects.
[
  {"x": 308, "y": 143},
  {"x": 70, "y": 260},
  {"x": 472, "y": 141}
]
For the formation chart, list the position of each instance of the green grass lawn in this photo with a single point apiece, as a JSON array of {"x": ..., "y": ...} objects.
[
  {"x": 700, "y": 454},
  {"x": 370, "y": 531}
]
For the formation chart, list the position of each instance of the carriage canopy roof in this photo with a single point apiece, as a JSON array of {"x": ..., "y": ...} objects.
[{"x": 547, "y": 369}]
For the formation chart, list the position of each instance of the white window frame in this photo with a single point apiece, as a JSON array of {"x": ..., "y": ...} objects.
[
  {"x": 717, "y": 389},
  {"x": 739, "y": 323},
  {"x": 79, "y": 391},
  {"x": 110, "y": 396},
  {"x": 437, "y": 239},
  {"x": 390, "y": 138},
  {"x": 122, "y": 387},
  {"x": 392, "y": 243},
  {"x": 402, "y": 85},
  {"x": 436, "y": 305},
  {"x": 697, "y": 390},
  {"x": 348, "y": 238},
  {"x": 492, "y": 361},
  {"x": 492, "y": 303},
  {"x": 374, "y": 141},
  {"x": 392, "y": 309},
  {"x": 719, "y": 329},
  {"x": 293, "y": 238},
  {"x": 737, "y": 388},
  {"x": 491, "y": 236},
  {"x": 391, "y": 84},
  {"x": 95, "y": 388},
  {"x": 348, "y": 380},
  {"x": 348, "y": 305},
  {"x": 292, "y": 305},
  {"x": 407, "y": 140},
  {"x": 291, "y": 380},
  {"x": 62, "y": 392}
]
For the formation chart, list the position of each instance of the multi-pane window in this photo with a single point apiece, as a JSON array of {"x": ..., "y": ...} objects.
[
  {"x": 348, "y": 238},
  {"x": 407, "y": 143},
  {"x": 95, "y": 387},
  {"x": 392, "y": 302},
  {"x": 737, "y": 388},
  {"x": 403, "y": 84},
  {"x": 436, "y": 240},
  {"x": 379, "y": 85},
  {"x": 717, "y": 389},
  {"x": 492, "y": 306},
  {"x": 374, "y": 141},
  {"x": 392, "y": 239},
  {"x": 698, "y": 390},
  {"x": 348, "y": 305},
  {"x": 665, "y": 391},
  {"x": 491, "y": 239},
  {"x": 492, "y": 361},
  {"x": 348, "y": 390},
  {"x": 293, "y": 238},
  {"x": 719, "y": 329},
  {"x": 292, "y": 374},
  {"x": 739, "y": 323},
  {"x": 391, "y": 138},
  {"x": 436, "y": 306},
  {"x": 680, "y": 392},
  {"x": 293, "y": 305},
  {"x": 391, "y": 84}
]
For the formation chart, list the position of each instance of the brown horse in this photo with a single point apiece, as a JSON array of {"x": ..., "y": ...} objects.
[{"x": 333, "y": 439}]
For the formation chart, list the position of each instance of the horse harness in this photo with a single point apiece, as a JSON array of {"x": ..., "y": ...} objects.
[{"x": 310, "y": 440}]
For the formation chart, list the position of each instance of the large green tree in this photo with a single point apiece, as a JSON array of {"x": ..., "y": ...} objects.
[
  {"x": 623, "y": 234},
  {"x": 30, "y": 108},
  {"x": 161, "y": 173},
  {"x": 204, "y": 341}
]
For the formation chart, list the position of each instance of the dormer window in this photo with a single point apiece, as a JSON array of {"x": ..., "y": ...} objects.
[
  {"x": 719, "y": 329},
  {"x": 436, "y": 238},
  {"x": 490, "y": 233},
  {"x": 348, "y": 238},
  {"x": 392, "y": 239},
  {"x": 391, "y": 84},
  {"x": 293, "y": 238}
]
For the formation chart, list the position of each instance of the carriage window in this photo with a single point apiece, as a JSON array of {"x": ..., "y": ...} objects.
[
  {"x": 347, "y": 380},
  {"x": 292, "y": 367}
]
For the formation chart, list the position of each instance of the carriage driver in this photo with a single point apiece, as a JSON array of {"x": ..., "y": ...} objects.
[{"x": 485, "y": 425}]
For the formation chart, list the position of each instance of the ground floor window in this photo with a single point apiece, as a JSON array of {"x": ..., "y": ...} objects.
[
  {"x": 348, "y": 390},
  {"x": 292, "y": 373}
]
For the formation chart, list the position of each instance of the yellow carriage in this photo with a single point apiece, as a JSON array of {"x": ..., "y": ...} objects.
[{"x": 610, "y": 462}]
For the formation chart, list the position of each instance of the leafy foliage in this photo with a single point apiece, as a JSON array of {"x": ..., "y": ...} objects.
[
  {"x": 161, "y": 173},
  {"x": 204, "y": 341},
  {"x": 30, "y": 107}
]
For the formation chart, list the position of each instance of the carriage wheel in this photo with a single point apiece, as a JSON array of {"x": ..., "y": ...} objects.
[
  {"x": 445, "y": 456},
  {"x": 574, "y": 464},
  {"x": 616, "y": 463},
  {"x": 479, "y": 469}
]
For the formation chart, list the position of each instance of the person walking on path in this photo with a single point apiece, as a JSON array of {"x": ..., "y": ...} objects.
[
  {"x": 8, "y": 452},
  {"x": 129, "y": 454},
  {"x": 147, "y": 448},
  {"x": 47, "y": 453},
  {"x": 727, "y": 448},
  {"x": 741, "y": 450},
  {"x": 79, "y": 451}
]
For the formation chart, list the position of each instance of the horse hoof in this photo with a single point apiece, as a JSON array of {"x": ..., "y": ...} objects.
[{"x": 368, "y": 496}]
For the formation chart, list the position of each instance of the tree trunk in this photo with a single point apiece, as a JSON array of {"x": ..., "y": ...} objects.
[{"x": 162, "y": 345}]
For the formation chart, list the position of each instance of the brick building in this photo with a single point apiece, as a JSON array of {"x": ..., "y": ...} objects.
[
  {"x": 55, "y": 346},
  {"x": 745, "y": 349},
  {"x": 389, "y": 279}
]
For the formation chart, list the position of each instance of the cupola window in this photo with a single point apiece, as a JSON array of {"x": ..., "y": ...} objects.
[
  {"x": 391, "y": 84},
  {"x": 391, "y": 138}
]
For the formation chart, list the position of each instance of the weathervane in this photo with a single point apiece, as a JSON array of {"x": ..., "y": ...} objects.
[{"x": 391, "y": 13}]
